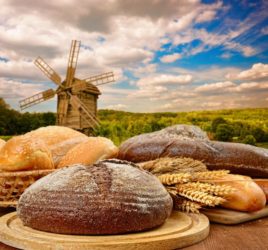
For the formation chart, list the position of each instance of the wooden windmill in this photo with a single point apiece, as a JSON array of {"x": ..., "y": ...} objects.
[{"x": 77, "y": 99}]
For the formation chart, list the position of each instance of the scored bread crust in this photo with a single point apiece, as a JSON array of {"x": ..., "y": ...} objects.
[
  {"x": 24, "y": 153},
  {"x": 89, "y": 152},
  {"x": 109, "y": 197}
]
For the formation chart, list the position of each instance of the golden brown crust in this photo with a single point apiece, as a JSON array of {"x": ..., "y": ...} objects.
[
  {"x": 248, "y": 196},
  {"x": 2, "y": 143},
  {"x": 263, "y": 184},
  {"x": 89, "y": 152},
  {"x": 24, "y": 153}
]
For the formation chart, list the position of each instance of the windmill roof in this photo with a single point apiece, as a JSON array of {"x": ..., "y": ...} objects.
[{"x": 92, "y": 89}]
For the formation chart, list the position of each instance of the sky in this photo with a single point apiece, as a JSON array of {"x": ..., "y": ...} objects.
[{"x": 167, "y": 55}]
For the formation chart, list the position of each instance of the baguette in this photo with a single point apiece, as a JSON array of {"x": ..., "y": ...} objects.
[
  {"x": 248, "y": 196},
  {"x": 263, "y": 184}
]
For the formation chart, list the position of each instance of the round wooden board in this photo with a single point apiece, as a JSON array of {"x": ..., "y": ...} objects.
[{"x": 179, "y": 230}]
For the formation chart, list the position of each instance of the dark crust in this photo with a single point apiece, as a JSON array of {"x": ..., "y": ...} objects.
[
  {"x": 238, "y": 158},
  {"x": 103, "y": 211}
]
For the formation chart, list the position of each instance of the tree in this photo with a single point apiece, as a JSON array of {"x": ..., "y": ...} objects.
[
  {"x": 216, "y": 122},
  {"x": 258, "y": 134},
  {"x": 224, "y": 132},
  {"x": 249, "y": 139}
]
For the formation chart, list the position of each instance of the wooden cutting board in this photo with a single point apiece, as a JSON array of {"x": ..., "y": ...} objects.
[
  {"x": 180, "y": 230},
  {"x": 231, "y": 217}
]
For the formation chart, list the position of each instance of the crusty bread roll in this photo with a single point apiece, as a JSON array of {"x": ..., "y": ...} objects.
[
  {"x": 248, "y": 196},
  {"x": 2, "y": 143},
  {"x": 263, "y": 184},
  {"x": 109, "y": 197},
  {"x": 174, "y": 141},
  {"x": 58, "y": 139},
  {"x": 89, "y": 152},
  {"x": 24, "y": 153}
]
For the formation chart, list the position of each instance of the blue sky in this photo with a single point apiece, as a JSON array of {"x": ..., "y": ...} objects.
[{"x": 167, "y": 55}]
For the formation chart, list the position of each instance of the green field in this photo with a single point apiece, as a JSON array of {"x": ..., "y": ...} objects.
[{"x": 238, "y": 125}]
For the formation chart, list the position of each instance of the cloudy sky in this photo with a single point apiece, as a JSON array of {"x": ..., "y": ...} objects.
[{"x": 168, "y": 55}]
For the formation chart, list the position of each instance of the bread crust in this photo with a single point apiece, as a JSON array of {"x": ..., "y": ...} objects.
[
  {"x": 89, "y": 152},
  {"x": 109, "y": 197},
  {"x": 2, "y": 143},
  {"x": 236, "y": 157},
  {"x": 24, "y": 153}
]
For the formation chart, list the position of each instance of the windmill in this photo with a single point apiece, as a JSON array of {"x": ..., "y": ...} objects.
[{"x": 77, "y": 99}]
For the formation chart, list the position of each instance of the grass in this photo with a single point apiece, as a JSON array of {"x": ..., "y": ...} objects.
[
  {"x": 5, "y": 137},
  {"x": 262, "y": 145}
]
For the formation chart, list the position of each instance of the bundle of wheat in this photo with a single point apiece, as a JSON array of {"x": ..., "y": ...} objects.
[{"x": 187, "y": 182}]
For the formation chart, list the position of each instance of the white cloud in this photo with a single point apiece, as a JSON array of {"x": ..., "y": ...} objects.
[
  {"x": 206, "y": 16},
  {"x": 257, "y": 72},
  {"x": 218, "y": 86},
  {"x": 264, "y": 30},
  {"x": 117, "y": 106},
  {"x": 164, "y": 79},
  {"x": 170, "y": 58}
]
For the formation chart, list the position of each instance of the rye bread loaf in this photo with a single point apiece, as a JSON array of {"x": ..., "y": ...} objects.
[
  {"x": 109, "y": 197},
  {"x": 189, "y": 141}
]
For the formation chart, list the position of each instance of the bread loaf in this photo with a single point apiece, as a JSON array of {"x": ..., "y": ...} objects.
[
  {"x": 2, "y": 143},
  {"x": 58, "y": 139},
  {"x": 109, "y": 197},
  {"x": 248, "y": 196},
  {"x": 24, "y": 153},
  {"x": 263, "y": 184},
  {"x": 172, "y": 141},
  {"x": 89, "y": 152}
]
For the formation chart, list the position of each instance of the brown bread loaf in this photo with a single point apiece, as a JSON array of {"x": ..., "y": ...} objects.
[
  {"x": 236, "y": 157},
  {"x": 109, "y": 197}
]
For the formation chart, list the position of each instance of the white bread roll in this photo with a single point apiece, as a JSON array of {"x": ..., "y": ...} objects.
[
  {"x": 89, "y": 152},
  {"x": 2, "y": 143},
  {"x": 24, "y": 153},
  {"x": 248, "y": 197},
  {"x": 58, "y": 139}
]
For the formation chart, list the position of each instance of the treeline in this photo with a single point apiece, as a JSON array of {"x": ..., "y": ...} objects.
[
  {"x": 13, "y": 122},
  {"x": 246, "y": 125}
]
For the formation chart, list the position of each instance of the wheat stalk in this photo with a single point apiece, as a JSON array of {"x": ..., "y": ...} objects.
[
  {"x": 218, "y": 190},
  {"x": 173, "y": 165},
  {"x": 170, "y": 179},
  {"x": 209, "y": 175},
  {"x": 200, "y": 197}
]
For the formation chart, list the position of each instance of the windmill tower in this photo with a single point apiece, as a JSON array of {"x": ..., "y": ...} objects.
[{"x": 77, "y": 99}]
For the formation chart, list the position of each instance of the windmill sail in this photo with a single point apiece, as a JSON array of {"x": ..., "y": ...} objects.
[
  {"x": 101, "y": 79},
  {"x": 72, "y": 63},
  {"x": 37, "y": 98},
  {"x": 47, "y": 70}
]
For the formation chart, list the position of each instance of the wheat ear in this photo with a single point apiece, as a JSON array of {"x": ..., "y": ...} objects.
[
  {"x": 208, "y": 175},
  {"x": 170, "y": 179},
  {"x": 200, "y": 197},
  {"x": 218, "y": 190}
]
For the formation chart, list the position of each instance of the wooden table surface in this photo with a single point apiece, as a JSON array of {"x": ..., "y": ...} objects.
[{"x": 247, "y": 236}]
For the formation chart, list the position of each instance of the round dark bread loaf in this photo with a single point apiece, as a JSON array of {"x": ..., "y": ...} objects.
[
  {"x": 190, "y": 141},
  {"x": 109, "y": 197}
]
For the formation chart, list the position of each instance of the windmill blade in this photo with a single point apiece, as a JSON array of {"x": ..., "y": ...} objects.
[
  {"x": 47, "y": 70},
  {"x": 101, "y": 79},
  {"x": 90, "y": 118},
  {"x": 72, "y": 62},
  {"x": 37, "y": 98}
]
